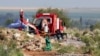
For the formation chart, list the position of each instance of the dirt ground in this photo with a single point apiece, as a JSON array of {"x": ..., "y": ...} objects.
[{"x": 39, "y": 53}]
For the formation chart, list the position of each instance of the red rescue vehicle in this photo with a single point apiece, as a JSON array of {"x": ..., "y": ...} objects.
[{"x": 55, "y": 25}]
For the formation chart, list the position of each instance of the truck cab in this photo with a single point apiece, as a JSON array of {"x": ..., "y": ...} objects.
[{"x": 54, "y": 23}]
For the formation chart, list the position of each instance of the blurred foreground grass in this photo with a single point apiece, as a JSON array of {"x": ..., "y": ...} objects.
[{"x": 9, "y": 48}]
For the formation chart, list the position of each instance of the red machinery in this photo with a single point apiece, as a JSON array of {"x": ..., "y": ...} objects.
[
  {"x": 24, "y": 21},
  {"x": 54, "y": 22}
]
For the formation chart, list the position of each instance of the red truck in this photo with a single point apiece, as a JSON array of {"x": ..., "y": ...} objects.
[{"x": 54, "y": 23}]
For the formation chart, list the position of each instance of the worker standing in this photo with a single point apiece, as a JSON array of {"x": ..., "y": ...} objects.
[
  {"x": 46, "y": 28},
  {"x": 44, "y": 22}
]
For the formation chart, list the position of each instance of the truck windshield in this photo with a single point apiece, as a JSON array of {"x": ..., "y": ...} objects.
[{"x": 37, "y": 22}]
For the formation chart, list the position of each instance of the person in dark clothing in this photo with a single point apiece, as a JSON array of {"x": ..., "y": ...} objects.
[{"x": 59, "y": 35}]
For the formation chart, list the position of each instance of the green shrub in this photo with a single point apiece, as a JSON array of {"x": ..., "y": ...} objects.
[
  {"x": 96, "y": 52},
  {"x": 56, "y": 45},
  {"x": 66, "y": 49},
  {"x": 77, "y": 34}
]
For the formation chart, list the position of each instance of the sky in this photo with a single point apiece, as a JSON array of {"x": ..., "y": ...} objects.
[{"x": 51, "y": 3}]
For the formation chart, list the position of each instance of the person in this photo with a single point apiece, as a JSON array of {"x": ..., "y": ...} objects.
[
  {"x": 46, "y": 28},
  {"x": 44, "y": 22},
  {"x": 59, "y": 35}
]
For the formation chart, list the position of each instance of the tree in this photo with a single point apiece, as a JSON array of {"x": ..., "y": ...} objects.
[
  {"x": 97, "y": 25},
  {"x": 60, "y": 14},
  {"x": 8, "y": 21},
  {"x": 91, "y": 27}
]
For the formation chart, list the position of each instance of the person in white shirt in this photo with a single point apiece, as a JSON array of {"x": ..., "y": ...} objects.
[
  {"x": 43, "y": 23},
  {"x": 46, "y": 28}
]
